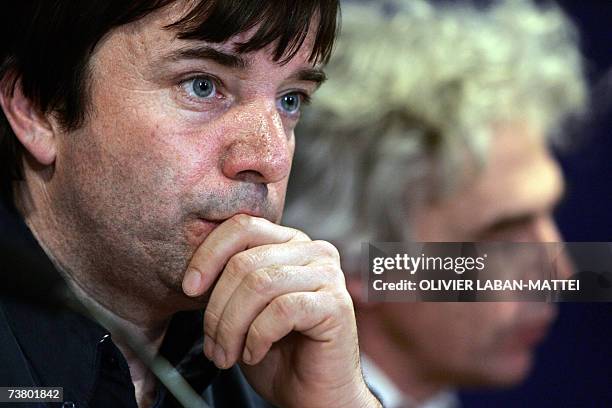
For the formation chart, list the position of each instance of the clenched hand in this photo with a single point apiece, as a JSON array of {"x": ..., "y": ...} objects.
[{"x": 280, "y": 308}]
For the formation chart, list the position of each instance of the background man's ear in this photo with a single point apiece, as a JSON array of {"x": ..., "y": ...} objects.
[{"x": 31, "y": 127}]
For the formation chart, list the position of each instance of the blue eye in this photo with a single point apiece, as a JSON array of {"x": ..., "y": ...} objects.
[
  {"x": 202, "y": 87},
  {"x": 291, "y": 102}
]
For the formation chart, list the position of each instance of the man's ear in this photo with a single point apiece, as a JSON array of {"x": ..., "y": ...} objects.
[{"x": 31, "y": 127}]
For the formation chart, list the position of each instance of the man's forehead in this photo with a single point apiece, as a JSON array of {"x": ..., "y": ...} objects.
[
  {"x": 519, "y": 178},
  {"x": 520, "y": 189},
  {"x": 156, "y": 36}
]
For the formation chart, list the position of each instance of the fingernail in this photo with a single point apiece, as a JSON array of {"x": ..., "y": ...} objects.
[
  {"x": 191, "y": 282},
  {"x": 209, "y": 345},
  {"x": 246, "y": 356},
  {"x": 219, "y": 356}
]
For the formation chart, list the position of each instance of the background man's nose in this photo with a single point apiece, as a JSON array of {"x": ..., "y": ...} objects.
[
  {"x": 546, "y": 230},
  {"x": 261, "y": 152}
]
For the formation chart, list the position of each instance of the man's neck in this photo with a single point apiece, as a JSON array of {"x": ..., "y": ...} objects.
[{"x": 394, "y": 360}]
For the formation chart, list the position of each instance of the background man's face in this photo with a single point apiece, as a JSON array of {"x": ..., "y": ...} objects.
[
  {"x": 510, "y": 200},
  {"x": 179, "y": 139}
]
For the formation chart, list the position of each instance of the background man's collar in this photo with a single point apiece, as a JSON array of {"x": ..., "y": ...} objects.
[{"x": 392, "y": 397}]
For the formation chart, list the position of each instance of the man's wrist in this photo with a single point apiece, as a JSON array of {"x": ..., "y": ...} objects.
[
  {"x": 363, "y": 398},
  {"x": 368, "y": 400}
]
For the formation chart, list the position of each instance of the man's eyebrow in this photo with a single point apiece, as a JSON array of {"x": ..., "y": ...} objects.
[
  {"x": 205, "y": 52},
  {"x": 510, "y": 221},
  {"x": 315, "y": 75}
]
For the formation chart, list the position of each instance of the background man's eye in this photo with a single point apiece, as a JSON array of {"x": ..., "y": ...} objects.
[
  {"x": 202, "y": 87},
  {"x": 290, "y": 103}
]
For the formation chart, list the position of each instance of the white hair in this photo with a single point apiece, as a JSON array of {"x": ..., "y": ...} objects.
[{"x": 418, "y": 81}]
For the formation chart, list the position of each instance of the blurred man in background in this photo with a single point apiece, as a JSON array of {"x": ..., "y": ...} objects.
[{"x": 434, "y": 127}]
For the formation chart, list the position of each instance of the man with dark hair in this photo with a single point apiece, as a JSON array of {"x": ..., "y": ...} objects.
[{"x": 147, "y": 145}]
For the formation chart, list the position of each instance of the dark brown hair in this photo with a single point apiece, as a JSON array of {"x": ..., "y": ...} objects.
[{"x": 46, "y": 45}]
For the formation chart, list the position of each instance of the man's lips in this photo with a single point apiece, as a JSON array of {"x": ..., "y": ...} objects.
[
  {"x": 211, "y": 222},
  {"x": 209, "y": 225},
  {"x": 200, "y": 227},
  {"x": 220, "y": 218},
  {"x": 198, "y": 230}
]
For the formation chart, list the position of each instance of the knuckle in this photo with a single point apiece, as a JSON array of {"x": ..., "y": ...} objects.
[
  {"x": 224, "y": 333},
  {"x": 239, "y": 262},
  {"x": 331, "y": 271},
  {"x": 333, "y": 275},
  {"x": 340, "y": 302},
  {"x": 244, "y": 221},
  {"x": 256, "y": 336},
  {"x": 328, "y": 249},
  {"x": 211, "y": 321},
  {"x": 276, "y": 273},
  {"x": 283, "y": 307},
  {"x": 344, "y": 302},
  {"x": 341, "y": 278},
  {"x": 307, "y": 302},
  {"x": 204, "y": 253},
  {"x": 300, "y": 236},
  {"x": 260, "y": 281}
]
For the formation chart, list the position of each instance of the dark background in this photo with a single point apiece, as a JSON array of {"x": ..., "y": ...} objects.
[{"x": 574, "y": 365}]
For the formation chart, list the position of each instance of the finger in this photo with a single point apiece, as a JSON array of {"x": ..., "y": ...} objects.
[
  {"x": 236, "y": 234},
  {"x": 251, "y": 297},
  {"x": 311, "y": 313},
  {"x": 244, "y": 263},
  {"x": 290, "y": 253}
]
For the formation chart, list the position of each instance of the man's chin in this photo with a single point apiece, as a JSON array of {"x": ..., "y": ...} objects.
[
  {"x": 193, "y": 303},
  {"x": 504, "y": 370},
  {"x": 511, "y": 370},
  {"x": 175, "y": 299}
]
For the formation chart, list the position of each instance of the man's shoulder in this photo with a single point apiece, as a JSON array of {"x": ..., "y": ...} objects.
[
  {"x": 27, "y": 361},
  {"x": 16, "y": 370},
  {"x": 45, "y": 346}
]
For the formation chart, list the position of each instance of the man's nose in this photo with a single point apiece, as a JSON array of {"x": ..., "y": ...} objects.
[
  {"x": 260, "y": 151},
  {"x": 546, "y": 230}
]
